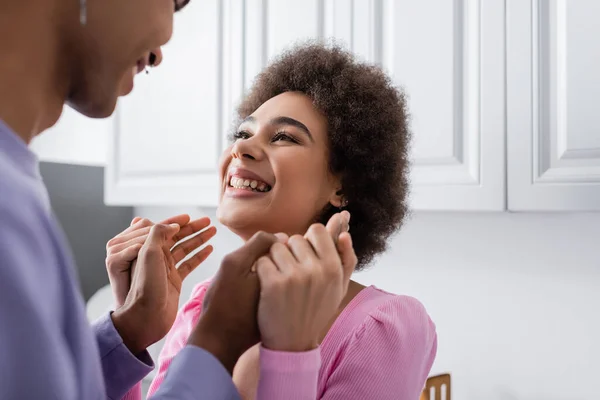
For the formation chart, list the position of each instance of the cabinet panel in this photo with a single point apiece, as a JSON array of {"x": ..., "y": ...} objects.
[
  {"x": 167, "y": 133},
  {"x": 451, "y": 65},
  {"x": 553, "y": 84}
]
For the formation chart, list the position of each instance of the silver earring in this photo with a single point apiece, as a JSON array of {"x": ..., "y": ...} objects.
[
  {"x": 82, "y": 12},
  {"x": 344, "y": 202}
]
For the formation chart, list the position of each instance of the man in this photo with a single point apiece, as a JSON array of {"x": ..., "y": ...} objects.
[{"x": 86, "y": 55}]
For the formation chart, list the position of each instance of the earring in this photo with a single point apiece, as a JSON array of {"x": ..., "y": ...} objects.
[
  {"x": 82, "y": 12},
  {"x": 343, "y": 202}
]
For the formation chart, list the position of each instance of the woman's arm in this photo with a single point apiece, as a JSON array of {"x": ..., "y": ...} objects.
[
  {"x": 176, "y": 340},
  {"x": 387, "y": 357}
]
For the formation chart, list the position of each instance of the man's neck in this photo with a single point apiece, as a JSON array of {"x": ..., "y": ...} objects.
[{"x": 33, "y": 88}]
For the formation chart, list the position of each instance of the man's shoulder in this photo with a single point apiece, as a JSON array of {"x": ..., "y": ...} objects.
[{"x": 19, "y": 192}]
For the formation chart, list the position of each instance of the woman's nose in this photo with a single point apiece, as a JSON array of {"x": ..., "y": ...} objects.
[
  {"x": 156, "y": 57},
  {"x": 246, "y": 148}
]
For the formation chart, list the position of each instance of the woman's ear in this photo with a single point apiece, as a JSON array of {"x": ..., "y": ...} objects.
[{"x": 338, "y": 200}]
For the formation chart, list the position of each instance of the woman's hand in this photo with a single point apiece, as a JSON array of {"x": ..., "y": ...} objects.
[
  {"x": 122, "y": 251},
  {"x": 302, "y": 285}
]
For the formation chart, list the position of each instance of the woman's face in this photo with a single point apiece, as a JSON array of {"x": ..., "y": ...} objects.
[{"x": 275, "y": 176}]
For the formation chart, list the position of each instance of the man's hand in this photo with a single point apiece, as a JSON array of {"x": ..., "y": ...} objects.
[
  {"x": 302, "y": 285},
  {"x": 153, "y": 299},
  {"x": 227, "y": 325},
  {"x": 122, "y": 250}
]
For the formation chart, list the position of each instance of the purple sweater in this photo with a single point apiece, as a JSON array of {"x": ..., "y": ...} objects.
[{"x": 47, "y": 348}]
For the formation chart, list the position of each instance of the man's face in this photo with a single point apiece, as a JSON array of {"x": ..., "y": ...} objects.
[{"x": 119, "y": 39}]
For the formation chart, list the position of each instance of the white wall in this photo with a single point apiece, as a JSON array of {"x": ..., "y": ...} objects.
[
  {"x": 515, "y": 297},
  {"x": 75, "y": 139}
]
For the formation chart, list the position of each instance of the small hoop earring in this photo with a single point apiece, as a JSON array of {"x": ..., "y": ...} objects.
[{"x": 82, "y": 12}]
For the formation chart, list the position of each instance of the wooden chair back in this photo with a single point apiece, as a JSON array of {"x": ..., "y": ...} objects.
[{"x": 435, "y": 386}]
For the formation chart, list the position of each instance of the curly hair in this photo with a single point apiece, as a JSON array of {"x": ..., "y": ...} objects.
[{"x": 367, "y": 129}]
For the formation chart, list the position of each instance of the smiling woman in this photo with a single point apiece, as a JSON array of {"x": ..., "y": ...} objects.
[{"x": 317, "y": 133}]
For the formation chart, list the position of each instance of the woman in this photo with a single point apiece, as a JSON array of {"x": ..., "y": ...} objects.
[{"x": 320, "y": 132}]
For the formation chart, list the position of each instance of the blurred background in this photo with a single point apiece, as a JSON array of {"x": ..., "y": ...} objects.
[{"x": 503, "y": 246}]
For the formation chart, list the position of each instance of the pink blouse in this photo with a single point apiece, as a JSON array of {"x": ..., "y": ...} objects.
[{"x": 381, "y": 346}]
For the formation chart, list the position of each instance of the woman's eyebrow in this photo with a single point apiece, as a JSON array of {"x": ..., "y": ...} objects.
[{"x": 292, "y": 122}]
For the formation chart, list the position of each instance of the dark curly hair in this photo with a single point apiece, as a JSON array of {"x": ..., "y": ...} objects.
[{"x": 368, "y": 134}]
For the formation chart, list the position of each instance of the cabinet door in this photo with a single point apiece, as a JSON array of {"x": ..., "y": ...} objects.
[
  {"x": 448, "y": 55},
  {"x": 167, "y": 135},
  {"x": 75, "y": 139},
  {"x": 553, "y": 89}
]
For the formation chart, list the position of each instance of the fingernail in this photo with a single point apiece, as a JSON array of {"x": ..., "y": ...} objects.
[
  {"x": 347, "y": 215},
  {"x": 174, "y": 226}
]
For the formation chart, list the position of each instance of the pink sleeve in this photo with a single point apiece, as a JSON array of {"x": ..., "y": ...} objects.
[
  {"x": 388, "y": 357},
  {"x": 176, "y": 340},
  {"x": 288, "y": 376},
  {"x": 135, "y": 393}
]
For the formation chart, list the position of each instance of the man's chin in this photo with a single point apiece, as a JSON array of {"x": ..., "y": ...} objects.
[{"x": 96, "y": 110}]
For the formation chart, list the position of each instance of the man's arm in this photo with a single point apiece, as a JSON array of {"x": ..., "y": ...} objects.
[
  {"x": 35, "y": 360},
  {"x": 122, "y": 369}
]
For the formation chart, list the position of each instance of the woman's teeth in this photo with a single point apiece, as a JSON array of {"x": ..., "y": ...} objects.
[{"x": 249, "y": 184}]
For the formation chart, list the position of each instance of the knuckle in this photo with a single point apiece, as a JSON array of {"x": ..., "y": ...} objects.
[
  {"x": 296, "y": 239},
  {"x": 229, "y": 259},
  {"x": 317, "y": 229},
  {"x": 261, "y": 236},
  {"x": 145, "y": 222},
  {"x": 277, "y": 247},
  {"x": 110, "y": 261}
]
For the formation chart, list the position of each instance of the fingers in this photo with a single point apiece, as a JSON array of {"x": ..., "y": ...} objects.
[
  {"x": 128, "y": 254},
  {"x": 181, "y": 250},
  {"x": 347, "y": 254},
  {"x": 141, "y": 227},
  {"x": 159, "y": 237},
  {"x": 189, "y": 265},
  {"x": 267, "y": 271},
  {"x": 135, "y": 221},
  {"x": 245, "y": 257},
  {"x": 301, "y": 249},
  {"x": 131, "y": 242},
  {"x": 282, "y": 237},
  {"x": 124, "y": 239},
  {"x": 338, "y": 224},
  {"x": 323, "y": 243},
  {"x": 282, "y": 256},
  {"x": 140, "y": 223},
  {"x": 191, "y": 228},
  {"x": 181, "y": 219}
]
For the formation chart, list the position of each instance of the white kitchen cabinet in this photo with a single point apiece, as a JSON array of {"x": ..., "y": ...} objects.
[
  {"x": 553, "y": 118},
  {"x": 167, "y": 136},
  {"x": 75, "y": 139},
  {"x": 448, "y": 56},
  {"x": 501, "y": 95}
]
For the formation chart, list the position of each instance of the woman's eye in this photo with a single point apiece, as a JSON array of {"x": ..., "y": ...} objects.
[
  {"x": 240, "y": 135},
  {"x": 282, "y": 136}
]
